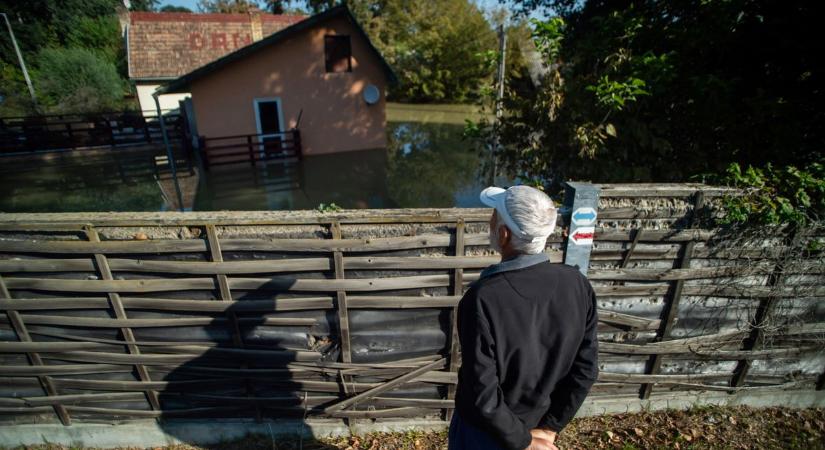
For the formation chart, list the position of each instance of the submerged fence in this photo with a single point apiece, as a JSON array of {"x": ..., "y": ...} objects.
[
  {"x": 59, "y": 132},
  {"x": 263, "y": 315}
]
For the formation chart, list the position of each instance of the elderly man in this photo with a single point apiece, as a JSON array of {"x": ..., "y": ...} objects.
[{"x": 527, "y": 330}]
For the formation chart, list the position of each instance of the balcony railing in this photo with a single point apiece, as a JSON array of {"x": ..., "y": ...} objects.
[{"x": 250, "y": 148}]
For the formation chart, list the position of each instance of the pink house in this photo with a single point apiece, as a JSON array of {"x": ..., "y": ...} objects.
[
  {"x": 163, "y": 46},
  {"x": 321, "y": 76}
]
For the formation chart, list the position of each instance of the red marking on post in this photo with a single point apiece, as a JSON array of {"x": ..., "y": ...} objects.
[{"x": 579, "y": 235}]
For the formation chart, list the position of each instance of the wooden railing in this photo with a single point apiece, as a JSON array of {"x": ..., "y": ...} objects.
[
  {"x": 73, "y": 131},
  {"x": 250, "y": 148}
]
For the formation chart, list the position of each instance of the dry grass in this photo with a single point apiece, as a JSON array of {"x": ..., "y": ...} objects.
[{"x": 699, "y": 428}]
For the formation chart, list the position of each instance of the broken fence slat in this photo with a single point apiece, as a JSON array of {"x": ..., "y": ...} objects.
[{"x": 384, "y": 387}]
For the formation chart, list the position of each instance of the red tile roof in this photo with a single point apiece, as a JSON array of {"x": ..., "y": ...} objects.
[{"x": 167, "y": 45}]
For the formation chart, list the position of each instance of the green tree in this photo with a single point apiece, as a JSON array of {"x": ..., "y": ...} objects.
[
  {"x": 43, "y": 24},
  {"x": 174, "y": 9},
  {"x": 638, "y": 90},
  {"x": 100, "y": 35},
  {"x": 316, "y": 6},
  {"x": 286, "y": 6},
  {"x": 48, "y": 23},
  {"x": 227, "y": 6},
  {"x": 77, "y": 80},
  {"x": 144, "y": 5},
  {"x": 435, "y": 48}
]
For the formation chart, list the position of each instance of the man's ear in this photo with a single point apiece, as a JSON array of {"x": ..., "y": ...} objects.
[{"x": 503, "y": 236}]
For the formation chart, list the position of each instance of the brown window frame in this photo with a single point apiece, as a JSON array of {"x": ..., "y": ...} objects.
[{"x": 331, "y": 40}]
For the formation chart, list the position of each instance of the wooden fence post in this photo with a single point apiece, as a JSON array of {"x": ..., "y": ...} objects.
[
  {"x": 342, "y": 310},
  {"x": 582, "y": 200},
  {"x": 111, "y": 131},
  {"x": 216, "y": 255},
  {"x": 251, "y": 152},
  {"x": 457, "y": 290},
  {"x": 671, "y": 308},
  {"x": 147, "y": 133},
  {"x": 341, "y": 297},
  {"x": 34, "y": 358},
  {"x": 116, "y": 305},
  {"x": 70, "y": 134},
  {"x": 203, "y": 151},
  {"x": 763, "y": 312}
]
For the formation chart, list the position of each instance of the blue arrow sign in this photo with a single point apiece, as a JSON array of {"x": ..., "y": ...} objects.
[{"x": 584, "y": 216}]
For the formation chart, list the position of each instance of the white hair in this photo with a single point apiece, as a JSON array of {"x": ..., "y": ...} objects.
[{"x": 534, "y": 213}]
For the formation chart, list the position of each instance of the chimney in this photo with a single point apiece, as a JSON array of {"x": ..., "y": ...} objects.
[{"x": 255, "y": 24}]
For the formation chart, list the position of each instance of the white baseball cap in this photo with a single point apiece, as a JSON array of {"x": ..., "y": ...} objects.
[{"x": 496, "y": 197}]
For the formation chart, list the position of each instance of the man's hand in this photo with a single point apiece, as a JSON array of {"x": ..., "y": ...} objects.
[
  {"x": 541, "y": 433},
  {"x": 540, "y": 444}
]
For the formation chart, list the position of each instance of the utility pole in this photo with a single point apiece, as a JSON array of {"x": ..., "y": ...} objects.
[
  {"x": 502, "y": 51},
  {"x": 20, "y": 58},
  {"x": 169, "y": 154}
]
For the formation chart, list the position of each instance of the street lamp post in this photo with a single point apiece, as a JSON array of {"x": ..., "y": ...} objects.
[{"x": 20, "y": 58}]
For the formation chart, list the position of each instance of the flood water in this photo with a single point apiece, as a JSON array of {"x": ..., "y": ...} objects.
[{"x": 426, "y": 164}]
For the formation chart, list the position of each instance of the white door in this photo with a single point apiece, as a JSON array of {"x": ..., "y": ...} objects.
[{"x": 269, "y": 118}]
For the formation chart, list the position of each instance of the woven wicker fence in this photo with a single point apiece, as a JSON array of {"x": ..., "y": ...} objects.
[{"x": 350, "y": 314}]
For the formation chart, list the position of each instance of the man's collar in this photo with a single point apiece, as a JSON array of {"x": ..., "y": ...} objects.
[{"x": 519, "y": 262}]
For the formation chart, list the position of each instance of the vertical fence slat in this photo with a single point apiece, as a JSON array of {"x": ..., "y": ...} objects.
[
  {"x": 763, "y": 312},
  {"x": 105, "y": 273},
  {"x": 671, "y": 308},
  {"x": 458, "y": 289},
  {"x": 216, "y": 255},
  {"x": 341, "y": 298},
  {"x": 34, "y": 358},
  {"x": 637, "y": 235},
  {"x": 251, "y": 151},
  {"x": 343, "y": 312}
]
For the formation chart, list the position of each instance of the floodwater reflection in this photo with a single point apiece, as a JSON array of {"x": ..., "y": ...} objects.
[
  {"x": 424, "y": 165},
  {"x": 65, "y": 182}
]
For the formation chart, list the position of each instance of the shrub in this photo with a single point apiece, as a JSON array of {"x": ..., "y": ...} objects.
[
  {"x": 786, "y": 195},
  {"x": 77, "y": 80}
]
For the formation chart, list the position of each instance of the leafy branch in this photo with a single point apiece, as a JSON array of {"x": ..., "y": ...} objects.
[{"x": 786, "y": 195}]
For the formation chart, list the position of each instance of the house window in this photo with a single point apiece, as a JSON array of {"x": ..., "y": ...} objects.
[{"x": 338, "y": 53}]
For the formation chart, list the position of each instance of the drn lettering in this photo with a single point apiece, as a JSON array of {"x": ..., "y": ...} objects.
[
  {"x": 219, "y": 40},
  {"x": 196, "y": 41}
]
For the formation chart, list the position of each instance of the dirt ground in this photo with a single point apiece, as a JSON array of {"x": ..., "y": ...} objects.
[{"x": 699, "y": 428}]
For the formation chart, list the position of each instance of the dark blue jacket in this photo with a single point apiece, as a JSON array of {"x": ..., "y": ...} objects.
[{"x": 529, "y": 349}]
